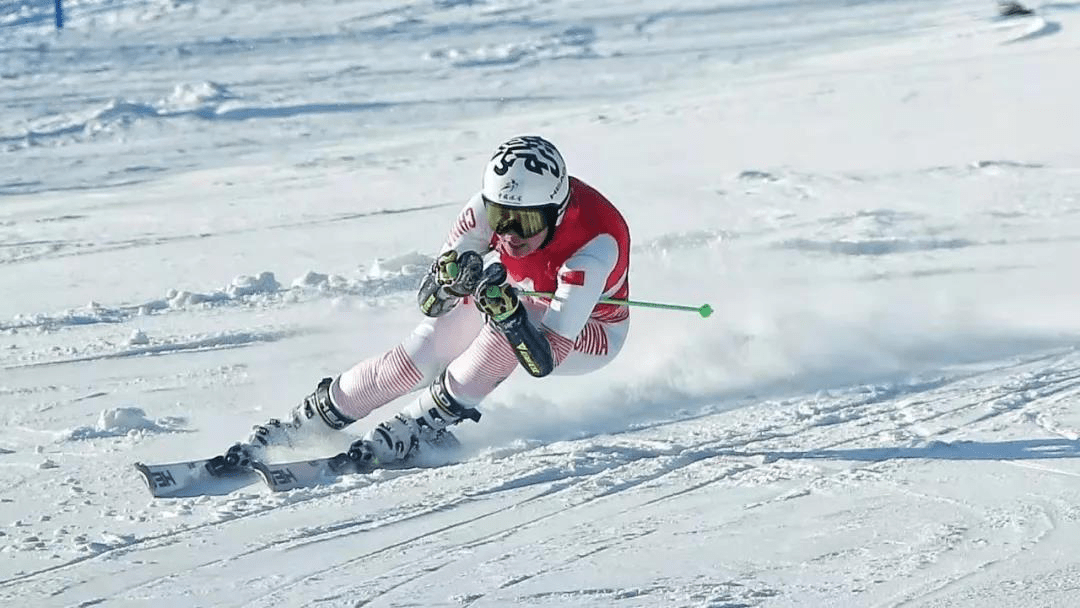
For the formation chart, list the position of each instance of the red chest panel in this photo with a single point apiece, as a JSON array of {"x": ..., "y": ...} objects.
[{"x": 588, "y": 215}]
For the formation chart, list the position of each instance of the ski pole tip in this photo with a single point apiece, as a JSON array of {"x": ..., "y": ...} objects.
[{"x": 705, "y": 310}]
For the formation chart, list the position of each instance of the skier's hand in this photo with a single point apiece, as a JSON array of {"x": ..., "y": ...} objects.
[
  {"x": 498, "y": 302},
  {"x": 452, "y": 277},
  {"x": 459, "y": 274}
]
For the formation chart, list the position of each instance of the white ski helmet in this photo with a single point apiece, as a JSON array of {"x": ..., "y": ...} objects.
[{"x": 527, "y": 172}]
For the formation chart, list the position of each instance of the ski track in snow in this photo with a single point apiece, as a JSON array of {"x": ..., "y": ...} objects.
[
  {"x": 38, "y": 250},
  {"x": 573, "y": 479}
]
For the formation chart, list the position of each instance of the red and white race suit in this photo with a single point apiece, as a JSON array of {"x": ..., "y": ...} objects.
[{"x": 587, "y": 260}]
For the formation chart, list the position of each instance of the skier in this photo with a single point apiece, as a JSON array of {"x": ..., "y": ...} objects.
[{"x": 550, "y": 233}]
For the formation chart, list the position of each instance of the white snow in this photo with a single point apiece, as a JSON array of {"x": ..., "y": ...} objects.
[
  {"x": 128, "y": 422},
  {"x": 208, "y": 205}
]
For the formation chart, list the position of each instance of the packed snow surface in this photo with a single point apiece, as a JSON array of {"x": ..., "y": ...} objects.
[{"x": 208, "y": 205}]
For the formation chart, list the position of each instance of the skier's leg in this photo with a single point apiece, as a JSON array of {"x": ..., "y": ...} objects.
[
  {"x": 414, "y": 363},
  {"x": 427, "y": 418},
  {"x": 596, "y": 346},
  {"x": 316, "y": 414},
  {"x": 468, "y": 379},
  {"x": 337, "y": 403},
  {"x": 484, "y": 365}
]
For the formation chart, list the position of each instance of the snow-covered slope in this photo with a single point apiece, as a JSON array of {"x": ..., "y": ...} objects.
[{"x": 206, "y": 206}]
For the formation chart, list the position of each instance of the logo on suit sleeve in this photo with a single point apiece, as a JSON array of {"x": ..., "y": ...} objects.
[{"x": 572, "y": 277}]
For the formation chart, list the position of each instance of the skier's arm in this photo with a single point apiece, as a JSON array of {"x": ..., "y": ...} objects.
[
  {"x": 470, "y": 231},
  {"x": 499, "y": 301},
  {"x": 581, "y": 283},
  {"x": 451, "y": 278},
  {"x": 442, "y": 288}
]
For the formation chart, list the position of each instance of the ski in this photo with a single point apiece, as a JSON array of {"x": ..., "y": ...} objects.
[
  {"x": 212, "y": 477},
  {"x": 294, "y": 475},
  {"x": 190, "y": 478},
  {"x": 187, "y": 479},
  {"x": 285, "y": 476}
]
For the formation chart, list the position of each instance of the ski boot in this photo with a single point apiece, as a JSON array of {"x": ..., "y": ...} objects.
[
  {"x": 424, "y": 421},
  {"x": 316, "y": 414}
]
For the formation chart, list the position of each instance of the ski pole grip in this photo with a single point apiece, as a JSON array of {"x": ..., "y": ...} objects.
[{"x": 495, "y": 274}]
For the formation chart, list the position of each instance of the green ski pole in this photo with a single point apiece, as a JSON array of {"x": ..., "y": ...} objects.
[{"x": 704, "y": 310}]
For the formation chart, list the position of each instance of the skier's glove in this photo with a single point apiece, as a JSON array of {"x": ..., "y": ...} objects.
[
  {"x": 458, "y": 273},
  {"x": 494, "y": 297},
  {"x": 498, "y": 302},
  {"x": 451, "y": 277}
]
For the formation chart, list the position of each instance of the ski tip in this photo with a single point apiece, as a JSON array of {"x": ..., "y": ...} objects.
[{"x": 147, "y": 476}]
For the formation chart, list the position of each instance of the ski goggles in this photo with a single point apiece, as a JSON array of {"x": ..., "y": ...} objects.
[{"x": 526, "y": 222}]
